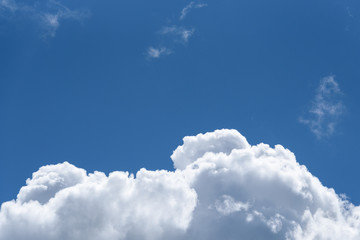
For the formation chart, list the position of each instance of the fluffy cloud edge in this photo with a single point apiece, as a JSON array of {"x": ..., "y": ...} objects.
[{"x": 221, "y": 187}]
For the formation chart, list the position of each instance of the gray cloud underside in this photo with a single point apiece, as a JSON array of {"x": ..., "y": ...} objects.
[{"x": 222, "y": 188}]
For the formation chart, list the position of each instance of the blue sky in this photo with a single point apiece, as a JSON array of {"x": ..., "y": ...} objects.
[{"x": 79, "y": 84}]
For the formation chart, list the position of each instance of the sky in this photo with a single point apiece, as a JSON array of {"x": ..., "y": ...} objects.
[{"x": 115, "y": 86}]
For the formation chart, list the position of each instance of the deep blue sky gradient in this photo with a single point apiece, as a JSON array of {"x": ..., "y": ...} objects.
[{"x": 90, "y": 96}]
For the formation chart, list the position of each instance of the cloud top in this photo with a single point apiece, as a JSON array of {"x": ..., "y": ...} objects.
[
  {"x": 222, "y": 187},
  {"x": 219, "y": 141}
]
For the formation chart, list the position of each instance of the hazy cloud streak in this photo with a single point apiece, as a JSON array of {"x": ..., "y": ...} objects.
[
  {"x": 187, "y": 9},
  {"x": 326, "y": 108},
  {"x": 158, "y": 52},
  {"x": 48, "y": 14},
  {"x": 180, "y": 33}
]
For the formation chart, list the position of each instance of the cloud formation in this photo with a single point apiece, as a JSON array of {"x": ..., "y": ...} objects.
[
  {"x": 177, "y": 33},
  {"x": 187, "y": 9},
  {"x": 157, "y": 52},
  {"x": 181, "y": 34},
  {"x": 326, "y": 108},
  {"x": 8, "y": 5},
  {"x": 222, "y": 188},
  {"x": 47, "y": 14}
]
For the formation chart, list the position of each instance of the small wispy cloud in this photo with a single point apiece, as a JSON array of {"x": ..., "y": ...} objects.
[
  {"x": 47, "y": 14},
  {"x": 187, "y": 9},
  {"x": 180, "y": 33},
  {"x": 8, "y": 5},
  {"x": 51, "y": 21},
  {"x": 349, "y": 12},
  {"x": 176, "y": 34},
  {"x": 158, "y": 52},
  {"x": 326, "y": 108}
]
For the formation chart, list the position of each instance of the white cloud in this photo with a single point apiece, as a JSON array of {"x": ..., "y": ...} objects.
[
  {"x": 177, "y": 34},
  {"x": 158, "y": 52},
  {"x": 63, "y": 202},
  {"x": 48, "y": 13},
  {"x": 51, "y": 20},
  {"x": 228, "y": 205},
  {"x": 182, "y": 34},
  {"x": 8, "y": 5},
  {"x": 222, "y": 188},
  {"x": 190, "y": 6},
  {"x": 326, "y": 108}
]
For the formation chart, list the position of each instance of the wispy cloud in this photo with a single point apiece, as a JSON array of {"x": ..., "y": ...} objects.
[
  {"x": 158, "y": 52},
  {"x": 180, "y": 33},
  {"x": 187, "y": 9},
  {"x": 176, "y": 33},
  {"x": 349, "y": 12},
  {"x": 326, "y": 108},
  {"x": 51, "y": 20},
  {"x": 8, "y": 5},
  {"x": 47, "y": 14}
]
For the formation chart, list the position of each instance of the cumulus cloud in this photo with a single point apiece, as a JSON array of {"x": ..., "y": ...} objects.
[
  {"x": 222, "y": 188},
  {"x": 47, "y": 14},
  {"x": 187, "y": 8},
  {"x": 326, "y": 108}
]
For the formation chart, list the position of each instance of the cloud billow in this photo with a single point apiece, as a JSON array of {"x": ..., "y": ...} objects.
[{"x": 222, "y": 187}]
